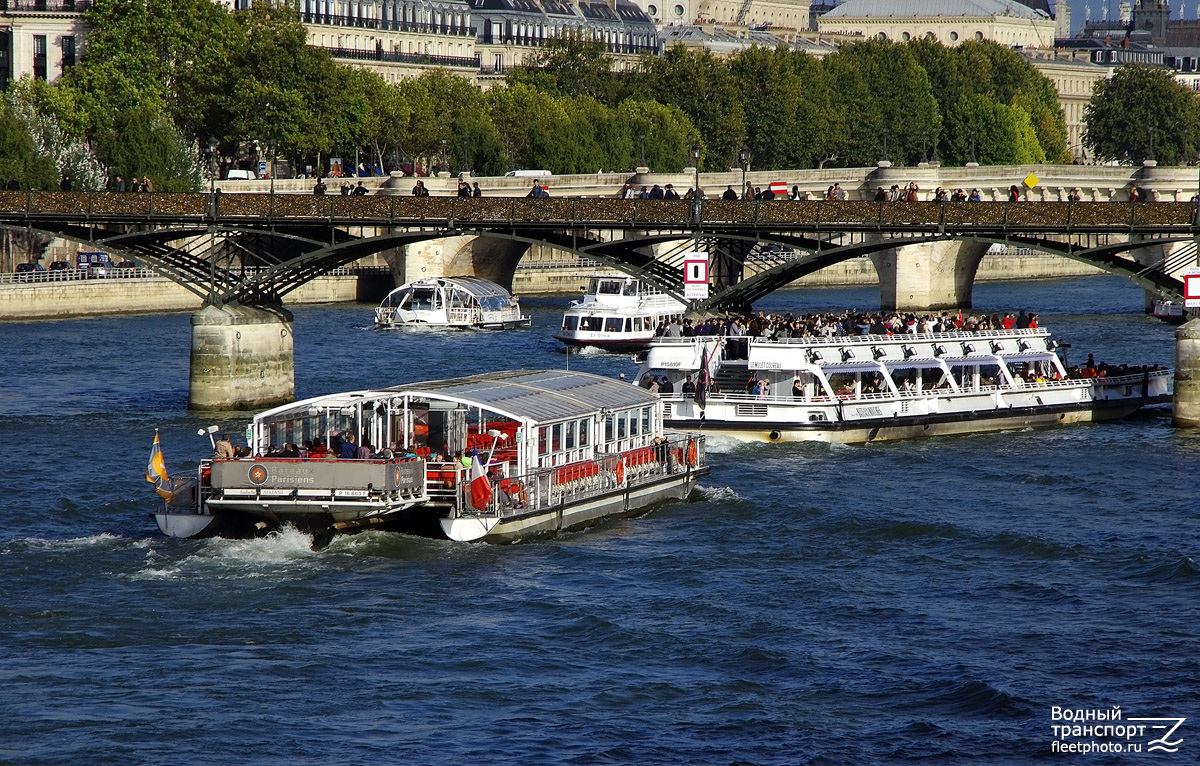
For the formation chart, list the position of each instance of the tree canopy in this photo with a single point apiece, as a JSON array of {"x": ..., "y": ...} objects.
[{"x": 1139, "y": 112}]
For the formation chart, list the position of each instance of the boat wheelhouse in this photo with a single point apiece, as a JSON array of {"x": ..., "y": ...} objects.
[
  {"x": 617, "y": 313},
  {"x": 874, "y": 387},
  {"x": 498, "y": 457},
  {"x": 451, "y": 302}
]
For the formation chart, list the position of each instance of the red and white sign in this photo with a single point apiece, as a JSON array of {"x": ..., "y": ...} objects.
[
  {"x": 779, "y": 188},
  {"x": 1191, "y": 289},
  {"x": 695, "y": 275}
]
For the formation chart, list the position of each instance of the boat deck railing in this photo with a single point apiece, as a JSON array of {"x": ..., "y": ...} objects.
[
  {"x": 875, "y": 396},
  {"x": 576, "y": 482},
  {"x": 842, "y": 340}
]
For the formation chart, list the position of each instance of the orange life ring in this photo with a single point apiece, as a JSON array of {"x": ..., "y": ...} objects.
[
  {"x": 621, "y": 472},
  {"x": 691, "y": 452}
]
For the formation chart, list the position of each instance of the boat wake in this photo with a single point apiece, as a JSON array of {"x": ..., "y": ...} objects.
[
  {"x": 718, "y": 494},
  {"x": 104, "y": 540}
]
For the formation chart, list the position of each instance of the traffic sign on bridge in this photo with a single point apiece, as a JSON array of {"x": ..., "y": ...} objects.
[{"x": 695, "y": 275}]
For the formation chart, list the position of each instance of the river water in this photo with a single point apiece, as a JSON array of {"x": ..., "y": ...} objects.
[{"x": 811, "y": 604}]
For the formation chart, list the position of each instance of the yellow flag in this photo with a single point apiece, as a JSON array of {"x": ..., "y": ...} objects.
[{"x": 156, "y": 471}]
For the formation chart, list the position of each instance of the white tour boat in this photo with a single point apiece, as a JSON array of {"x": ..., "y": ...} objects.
[
  {"x": 873, "y": 387},
  {"x": 1170, "y": 311},
  {"x": 545, "y": 451},
  {"x": 451, "y": 302},
  {"x": 617, "y": 313}
]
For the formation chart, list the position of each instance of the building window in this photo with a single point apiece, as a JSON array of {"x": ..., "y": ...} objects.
[
  {"x": 954, "y": 37},
  {"x": 68, "y": 51},
  {"x": 979, "y": 35},
  {"x": 679, "y": 10},
  {"x": 652, "y": 10},
  {"x": 39, "y": 57},
  {"x": 905, "y": 36}
]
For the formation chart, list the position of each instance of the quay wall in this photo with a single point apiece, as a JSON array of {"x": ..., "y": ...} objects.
[
  {"x": 549, "y": 277},
  {"x": 95, "y": 297}
]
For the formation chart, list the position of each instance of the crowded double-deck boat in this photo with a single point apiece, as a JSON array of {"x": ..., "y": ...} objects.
[
  {"x": 451, "y": 302},
  {"x": 861, "y": 388},
  {"x": 497, "y": 457},
  {"x": 617, "y": 313}
]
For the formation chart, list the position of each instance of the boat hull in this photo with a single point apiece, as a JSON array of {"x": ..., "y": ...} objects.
[
  {"x": 616, "y": 345},
  {"x": 915, "y": 427},
  {"x": 547, "y": 522}
]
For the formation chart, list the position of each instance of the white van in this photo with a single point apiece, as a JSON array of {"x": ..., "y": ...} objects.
[
  {"x": 528, "y": 173},
  {"x": 233, "y": 174}
]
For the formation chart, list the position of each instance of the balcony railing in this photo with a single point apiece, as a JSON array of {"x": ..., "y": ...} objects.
[
  {"x": 470, "y": 62},
  {"x": 45, "y": 6}
]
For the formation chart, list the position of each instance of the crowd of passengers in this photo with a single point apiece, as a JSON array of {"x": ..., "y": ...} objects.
[{"x": 833, "y": 325}]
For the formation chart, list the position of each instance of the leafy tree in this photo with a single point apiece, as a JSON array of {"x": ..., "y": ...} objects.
[
  {"x": 143, "y": 143},
  {"x": 666, "y": 129},
  {"x": 1140, "y": 103},
  {"x": 571, "y": 64},
  {"x": 703, "y": 88},
  {"x": 900, "y": 95},
  {"x": 19, "y": 158},
  {"x": 1003, "y": 134}
]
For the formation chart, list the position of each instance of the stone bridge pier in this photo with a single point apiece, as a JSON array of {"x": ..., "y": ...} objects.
[
  {"x": 242, "y": 358},
  {"x": 927, "y": 276}
]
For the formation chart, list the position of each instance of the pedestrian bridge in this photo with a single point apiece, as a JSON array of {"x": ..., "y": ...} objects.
[
  {"x": 926, "y": 253},
  {"x": 301, "y": 237}
]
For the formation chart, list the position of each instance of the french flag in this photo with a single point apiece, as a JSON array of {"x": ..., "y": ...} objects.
[{"x": 481, "y": 489}]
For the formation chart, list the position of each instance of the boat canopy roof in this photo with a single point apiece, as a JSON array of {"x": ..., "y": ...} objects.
[
  {"x": 537, "y": 395},
  {"x": 534, "y": 395}
]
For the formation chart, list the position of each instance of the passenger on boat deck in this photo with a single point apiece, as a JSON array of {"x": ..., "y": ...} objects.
[
  {"x": 665, "y": 386},
  {"x": 224, "y": 449},
  {"x": 349, "y": 449},
  {"x": 387, "y": 453},
  {"x": 289, "y": 450},
  {"x": 797, "y": 388},
  {"x": 688, "y": 386},
  {"x": 674, "y": 330},
  {"x": 646, "y": 380},
  {"x": 502, "y": 497},
  {"x": 465, "y": 459},
  {"x": 653, "y": 387},
  {"x": 364, "y": 452}
]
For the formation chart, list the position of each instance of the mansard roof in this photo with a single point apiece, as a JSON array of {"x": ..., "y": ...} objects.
[
  {"x": 907, "y": 8},
  {"x": 590, "y": 10}
]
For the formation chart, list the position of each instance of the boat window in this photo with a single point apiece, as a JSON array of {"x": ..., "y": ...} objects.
[
  {"x": 593, "y": 286},
  {"x": 634, "y": 424},
  {"x": 637, "y": 324},
  {"x": 556, "y": 437},
  {"x": 542, "y": 445},
  {"x": 425, "y": 299},
  {"x": 628, "y": 324},
  {"x": 610, "y": 287},
  {"x": 613, "y": 324},
  {"x": 622, "y": 425},
  {"x": 631, "y": 287},
  {"x": 593, "y": 324},
  {"x": 583, "y": 432},
  {"x": 608, "y": 428},
  {"x": 570, "y": 434},
  {"x": 570, "y": 323},
  {"x": 646, "y": 420}
]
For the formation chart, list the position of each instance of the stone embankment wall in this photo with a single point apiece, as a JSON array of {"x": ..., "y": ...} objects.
[
  {"x": 93, "y": 297},
  {"x": 548, "y": 277}
]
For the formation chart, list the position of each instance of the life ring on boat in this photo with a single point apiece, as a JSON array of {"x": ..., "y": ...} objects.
[
  {"x": 691, "y": 452},
  {"x": 621, "y": 472}
]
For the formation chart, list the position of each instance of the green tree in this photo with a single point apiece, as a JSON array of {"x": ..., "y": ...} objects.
[
  {"x": 666, "y": 129},
  {"x": 19, "y": 158},
  {"x": 1003, "y": 135},
  {"x": 702, "y": 87},
  {"x": 571, "y": 64},
  {"x": 1138, "y": 107}
]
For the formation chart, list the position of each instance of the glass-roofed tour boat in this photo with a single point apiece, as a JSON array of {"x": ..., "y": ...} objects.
[
  {"x": 451, "y": 302},
  {"x": 617, "y": 313},
  {"x": 497, "y": 457},
  {"x": 864, "y": 388}
]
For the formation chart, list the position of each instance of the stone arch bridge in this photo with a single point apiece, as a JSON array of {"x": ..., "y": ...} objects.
[{"x": 242, "y": 345}]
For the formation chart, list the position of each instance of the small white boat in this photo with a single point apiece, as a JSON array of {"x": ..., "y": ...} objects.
[
  {"x": 451, "y": 302},
  {"x": 1170, "y": 311},
  {"x": 617, "y": 313},
  {"x": 874, "y": 387},
  {"x": 546, "y": 451}
]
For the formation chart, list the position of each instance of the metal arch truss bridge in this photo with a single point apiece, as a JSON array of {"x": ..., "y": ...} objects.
[{"x": 253, "y": 249}]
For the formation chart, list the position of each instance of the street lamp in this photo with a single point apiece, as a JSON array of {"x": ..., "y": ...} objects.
[
  {"x": 695, "y": 157},
  {"x": 271, "y": 148},
  {"x": 884, "y": 133},
  {"x": 444, "y": 168},
  {"x": 212, "y": 163},
  {"x": 466, "y": 167},
  {"x": 642, "y": 139},
  {"x": 935, "y": 159},
  {"x": 691, "y": 143},
  {"x": 744, "y": 161},
  {"x": 971, "y": 162},
  {"x": 925, "y": 147}
]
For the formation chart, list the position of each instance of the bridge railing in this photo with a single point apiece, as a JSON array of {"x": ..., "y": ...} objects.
[{"x": 598, "y": 212}]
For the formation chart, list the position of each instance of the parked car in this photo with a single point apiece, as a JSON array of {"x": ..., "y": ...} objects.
[
  {"x": 234, "y": 174},
  {"x": 28, "y": 272},
  {"x": 60, "y": 265},
  {"x": 99, "y": 270},
  {"x": 127, "y": 265}
]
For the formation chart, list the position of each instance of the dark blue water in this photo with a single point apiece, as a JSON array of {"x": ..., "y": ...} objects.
[{"x": 812, "y": 604}]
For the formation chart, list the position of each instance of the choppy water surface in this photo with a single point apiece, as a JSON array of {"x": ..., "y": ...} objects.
[{"x": 812, "y": 603}]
